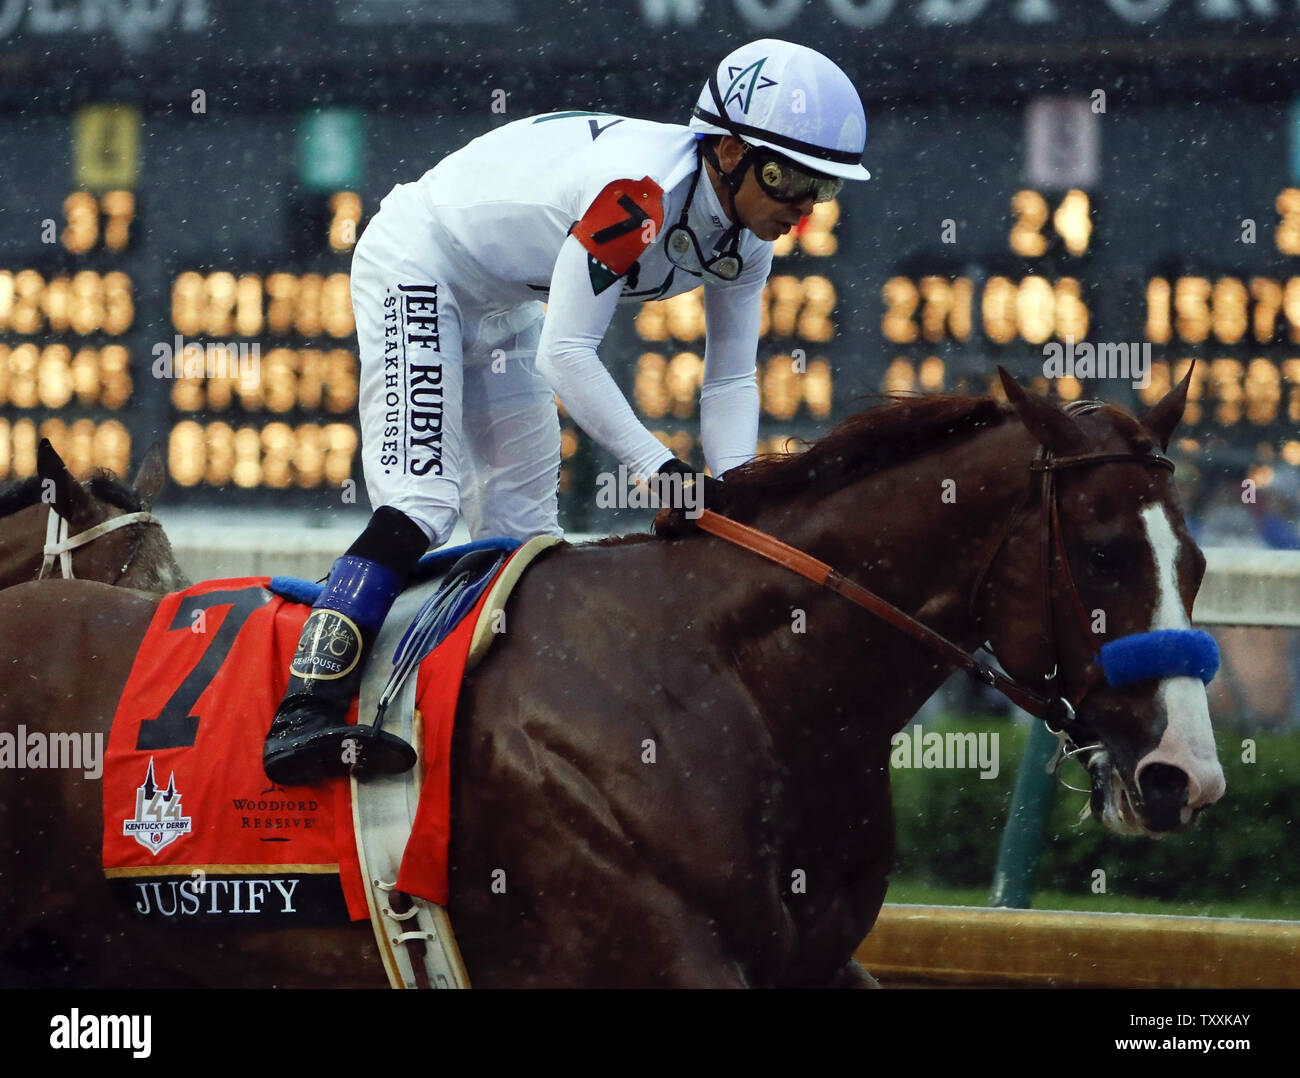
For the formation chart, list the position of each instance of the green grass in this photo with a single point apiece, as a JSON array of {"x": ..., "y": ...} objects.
[{"x": 1284, "y": 907}]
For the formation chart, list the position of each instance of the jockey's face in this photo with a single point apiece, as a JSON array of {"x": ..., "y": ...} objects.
[{"x": 763, "y": 216}]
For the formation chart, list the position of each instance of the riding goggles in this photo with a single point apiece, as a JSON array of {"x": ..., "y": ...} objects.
[{"x": 784, "y": 181}]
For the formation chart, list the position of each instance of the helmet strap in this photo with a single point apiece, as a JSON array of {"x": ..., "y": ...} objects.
[{"x": 731, "y": 180}]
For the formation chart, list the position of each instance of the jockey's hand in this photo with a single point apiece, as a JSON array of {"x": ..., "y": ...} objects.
[{"x": 684, "y": 493}]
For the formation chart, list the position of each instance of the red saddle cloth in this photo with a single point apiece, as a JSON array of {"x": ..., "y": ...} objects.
[{"x": 192, "y": 826}]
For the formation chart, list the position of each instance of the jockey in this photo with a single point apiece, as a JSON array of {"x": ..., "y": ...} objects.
[{"x": 571, "y": 212}]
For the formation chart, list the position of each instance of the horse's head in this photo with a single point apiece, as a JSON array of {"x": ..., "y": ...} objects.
[
  {"x": 85, "y": 505},
  {"x": 1099, "y": 555}
]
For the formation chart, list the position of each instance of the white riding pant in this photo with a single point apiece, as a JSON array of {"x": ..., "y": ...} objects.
[{"x": 455, "y": 418}]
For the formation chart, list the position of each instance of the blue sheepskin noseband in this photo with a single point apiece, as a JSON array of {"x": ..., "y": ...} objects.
[{"x": 1160, "y": 654}]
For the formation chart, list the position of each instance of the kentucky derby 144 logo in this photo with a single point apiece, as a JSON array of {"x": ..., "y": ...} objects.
[{"x": 158, "y": 821}]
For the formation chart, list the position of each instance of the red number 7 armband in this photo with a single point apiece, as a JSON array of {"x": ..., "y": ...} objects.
[{"x": 623, "y": 221}]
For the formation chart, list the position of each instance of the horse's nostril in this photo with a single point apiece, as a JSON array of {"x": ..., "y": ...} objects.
[
  {"x": 1163, "y": 780},
  {"x": 1164, "y": 793}
]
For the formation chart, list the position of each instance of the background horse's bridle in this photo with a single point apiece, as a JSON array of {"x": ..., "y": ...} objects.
[
  {"x": 1053, "y": 705},
  {"x": 59, "y": 544}
]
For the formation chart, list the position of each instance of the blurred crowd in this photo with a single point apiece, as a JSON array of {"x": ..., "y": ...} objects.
[{"x": 1232, "y": 499}]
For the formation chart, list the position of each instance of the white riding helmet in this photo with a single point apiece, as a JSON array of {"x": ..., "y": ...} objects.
[{"x": 791, "y": 99}]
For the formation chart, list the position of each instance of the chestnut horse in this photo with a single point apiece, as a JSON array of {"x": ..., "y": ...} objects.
[
  {"x": 134, "y": 555},
  {"x": 752, "y": 847}
]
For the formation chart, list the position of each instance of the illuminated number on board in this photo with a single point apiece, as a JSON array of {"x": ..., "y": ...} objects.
[
  {"x": 1191, "y": 308},
  {"x": 1291, "y": 307},
  {"x": 81, "y": 213},
  {"x": 1030, "y": 210},
  {"x": 815, "y": 237},
  {"x": 901, "y": 298},
  {"x": 119, "y": 209},
  {"x": 83, "y": 444},
  {"x": 1070, "y": 311},
  {"x": 1072, "y": 222},
  {"x": 1267, "y": 295},
  {"x": 781, "y": 388},
  {"x": 1035, "y": 309},
  {"x": 815, "y": 317},
  {"x": 81, "y": 217},
  {"x": 1228, "y": 302},
  {"x": 946, "y": 307},
  {"x": 218, "y": 454},
  {"x": 649, "y": 389},
  {"x": 345, "y": 220},
  {"x": 998, "y": 310},
  {"x": 1158, "y": 329},
  {"x": 1287, "y": 236}
]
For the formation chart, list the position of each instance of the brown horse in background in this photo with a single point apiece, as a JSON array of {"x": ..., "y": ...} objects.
[
  {"x": 134, "y": 556},
  {"x": 677, "y": 757}
]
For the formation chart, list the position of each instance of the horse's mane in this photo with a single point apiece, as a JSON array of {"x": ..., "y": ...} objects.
[
  {"x": 898, "y": 429},
  {"x": 20, "y": 495},
  {"x": 105, "y": 486},
  {"x": 102, "y": 484}
]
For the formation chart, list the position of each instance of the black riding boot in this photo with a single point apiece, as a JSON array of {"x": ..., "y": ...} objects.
[{"x": 310, "y": 738}]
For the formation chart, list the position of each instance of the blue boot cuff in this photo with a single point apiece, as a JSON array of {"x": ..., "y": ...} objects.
[{"x": 361, "y": 589}]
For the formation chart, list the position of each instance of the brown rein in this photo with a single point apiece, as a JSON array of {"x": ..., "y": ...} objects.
[
  {"x": 768, "y": 546},
  {"x": 1053, "y": 708}
]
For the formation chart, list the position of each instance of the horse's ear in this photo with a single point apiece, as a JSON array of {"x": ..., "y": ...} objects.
[
  {"x": 1167, "y": 413},
  {"x": 1054, "y": 430},
  {"x": 69, "y": 497},
  {"x": 151, "y": 476}
]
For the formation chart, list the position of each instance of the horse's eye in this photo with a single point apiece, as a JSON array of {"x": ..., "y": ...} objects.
[{"x": 1106, "y": 558}]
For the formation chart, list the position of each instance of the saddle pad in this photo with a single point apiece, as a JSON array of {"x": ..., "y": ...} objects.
[
  {"x": 424, "y": 865},
  {"x": 192, "y": 826}
]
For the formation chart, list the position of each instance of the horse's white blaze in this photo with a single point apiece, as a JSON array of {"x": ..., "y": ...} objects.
[{"x": 1188, "y": 741}]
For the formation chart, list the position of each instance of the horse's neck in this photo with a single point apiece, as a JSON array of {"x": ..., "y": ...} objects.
[{"x": 916, "y": 534}]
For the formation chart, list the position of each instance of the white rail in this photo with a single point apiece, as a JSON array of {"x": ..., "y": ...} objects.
[
  {"x": 212, "y": 547},
  {"x": 1249, "y": 587},
  {"x": 1241, "y": 586}
]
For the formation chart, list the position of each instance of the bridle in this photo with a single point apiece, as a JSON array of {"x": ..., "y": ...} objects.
[
  {"x": 59, "y": 544},
  {"x": 1062, "y": 703},
  {"x": 1052, "y": 703}
]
